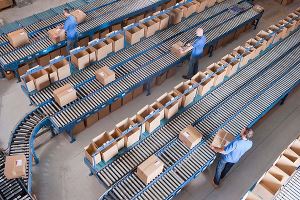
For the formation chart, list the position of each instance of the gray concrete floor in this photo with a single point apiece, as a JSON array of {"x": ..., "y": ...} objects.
[{"x": 62, "y": 174}]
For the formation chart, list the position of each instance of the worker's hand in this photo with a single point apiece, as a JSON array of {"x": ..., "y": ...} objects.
[
  {"x": 181, "y": 50},
  {"x": 243, "y": 130},
  {"x": 212, "y": 147},
  {"x": 188, "y": 44}
]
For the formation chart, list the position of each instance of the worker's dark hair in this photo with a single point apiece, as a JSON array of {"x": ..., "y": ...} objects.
[
  {"x": 67, "y": 10},
  {"x": 248, "y": 133}
]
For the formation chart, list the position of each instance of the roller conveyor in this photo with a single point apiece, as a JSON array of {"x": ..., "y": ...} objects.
[{"x": 266, "y": 91}]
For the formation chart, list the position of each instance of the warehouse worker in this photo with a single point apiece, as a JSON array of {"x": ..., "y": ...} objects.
[
  {"x": 197, "y": 51},
  {"x": 70, "y": 26},
  {"x": 231, "y": 154}
]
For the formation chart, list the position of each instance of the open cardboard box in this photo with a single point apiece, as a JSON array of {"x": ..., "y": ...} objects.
[
  {"x": 152, "y": 123},
  {"x": 43, "y": 60},
  {"x": 295, "y": 146},
  {"x": 41, "y": 79},
  {"x": 135, "y": 34},
  {"x": 200, "y": 5},
  {"x": 189, "y": 97},
  {"x": 285, "y": 165},
  {"x": 190, "y": 136},
  {"x": 115, "y": 134},
  {"x": 109, "y": 151},
  {"x": 150, "y": 27},
  {"x": 81, "y": 59},
  {"x": 222, "y": 139},
  {"x": 268, "y": 39},
  {"x": 246, "y": 55},
  {"x": 232, "y": 66},
  {"x": 29, "y": 82},
  {"x": 280, "y": 175},
  {"x": 170, "y": 110},
  {"x": 292, "y": 156},
  {"x": 218, "y": 77},
  {"x": 284, "y": 29},
  {"x": 92, "y": 52},
  {"x": 280, "y": 33},
  {"x": 117, "y": 42},
  {"x": 163, "y": 21},
  {"x": 89, "y": 151},
  {"x": 204, "y": 87},
  {"x": 63, "y": 69},
  {"x": 102, "y": 49},
  {"x": 210, "y": 3},
  {"x": 190, "y": 9},
  {"x": 251, "y": 196},
  {"x": 257, "y": 47},
  {"x": 157, "y": 106},
  {"x": 131, "y": 137},
  {"x": 176, "y": 15},
  {"x": 52, "y": 72},
  {"x": 287, "y": 27}
]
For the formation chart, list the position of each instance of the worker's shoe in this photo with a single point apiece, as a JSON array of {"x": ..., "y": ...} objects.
[
  {"x": 214, "y": 184},
  {"x": 186, "y": 77}
]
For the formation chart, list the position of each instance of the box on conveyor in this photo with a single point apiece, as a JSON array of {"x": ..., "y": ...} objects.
[
  {"x": 92, "y": 52},
  {"x": 18, "y": 38},
  {"x": 57, "y": 35},
  {"x": 163, "y": 21},
  {"x": 115, "y": 134},
  {"x": 179, "y": 49},
  {"x": 246, "y": 55},
  {"x": 105, "y": 75},
  {"x": 255, "y": 45},
  {"x": 150, "y": 27},
  {"x": 190, "y": 136},
  {"x": 109, "y": 151},
  {"x": 15, "y": 166},
  {"x": 189, "y": 97},
  {"x": 222, "y": 139},
  {"x": 41, "y": 79},
  {"x": 102, "y": 49},
  {"x": 152, "y": 123},
  {"x": 63, "y": 68},
  {"x": 218, "y": 76},
  {"x": 232, "y": 66},
  {"x": 64, "y": 95},
  {"x": 150, "y": 169},
  {"x": 157, "y": 106},
  {"x": 210, "y": 3},
  {"x": 79, "y": 15},
  {"x": 135, "y": 34},
  {"x": 89, "y": 151},
  {"x": 190, "y": 9},
  {"x": 131, "y": 137},
  {"x": 205, "y": 86},
  {"x": 251, "y": 196},
  {"x": 80, "y": 59},
  {"x": 52, "y": 73},
  {"x": 117, "y": 42},
  {"x": 176, "y": 15},
  {"x": 170, "y": 110}
]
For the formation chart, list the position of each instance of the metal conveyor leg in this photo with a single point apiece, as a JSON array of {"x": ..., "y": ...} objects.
[
  {"x": 148, "y": 88},
  {"x": 283, "y": 99},
  {"x": 72, "y": 138}
]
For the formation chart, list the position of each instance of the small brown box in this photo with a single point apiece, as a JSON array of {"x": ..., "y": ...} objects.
[
  {"x": 157, "y": 106},
  {"x": 131, "y": 137},
  {"x": 138, "y": 91},
  {"x": 285, "y": 165},
  {"x": 163, "y": 21},
  {"x": 117, "y": 42},
  {"x": 251, "y": 196},
  {"x": 54, "y": 53},
  {"x": 29, "y": 82},
  {"x": 171, "y": 72},
  {"x": 105, "y": 75},
  {"x": 23, "y": 69},
  {"x": 222, "y": 139},
  {"x": 83, "y": 42},
  {"x": 139, "y": 17},
  {"x": 64, "y": 95},
  {"x": 121, "y": 141},
  {"x": 43, "y": 60},
  {"x": 218, "y": 76},
  {"x": 189, "y": 97},
  {"x": 172, "y": 109},
  {"x": 52, "y": 72},
  {"x": 41, "y": 79},
  {"x": 15, "y": 166},
  {"x": 292, "y": 156},
  {"x": 104, "y": 32},
  {"x": 190, "y": 136},
  {"x": 134, "y": 35},
  {"x": 161, "y": 78},
  {"x": 102, "y": 49},
  {"x": 89, "y": 151},
  {"x": 103, "y": 112},
  {"x": 177, "y": 47},
  {"x": 63, "y": 69},
  {"x": 200, "y": 5},
  {"x": 18, "y": 38},
  {"x": 246, "y": 55},
  {"x": 190, "y": 9},
  {"x": 90, "y": 120},
  {"x": 210, "y": 3},
  {"x": 205, "y": 86},
  {"x": 232, "y": 66},
  {"x": 57, "y": 35},
  {"x": 150, "y": 27},
  {"x": 151, "y": 124},
  {"x": 80, "y": 59},
  {"x": 109, "y": 151},
  {"x": 176, "y": 15},
  {"x": 116, "y": 27},
  {"x": 150, "y": 169},
  {"x": 78, "y": 128},
  {"x": 92, "y": 52},
  {"x": 79, "y": 15},
  {"x": 116, "y": 105},
  {"x": 127, "y": 98}
]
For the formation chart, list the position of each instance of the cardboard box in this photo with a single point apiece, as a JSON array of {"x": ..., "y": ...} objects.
[
  {"x": 176, "y": 15},
  {"x": 109, "y": 151},
  {"x": 177, "y": 47},
  {"x": 15, "y": 166},
  {"x": 116, "y": 27},
  {"x": 171, "y": 72},
  {"x": 250, "y": 196},
  {"x": 80, "y": 59},
  {"x": 150, "y": 27},
  {"x": 242, "y": 51},
  {"x": 132, "y": 136},
  {"x": 163, "y": 21},
  {"x": 151, "y": 124},
  {"x": 190, "y": 136},
  {"x": 43, "y": 60},
  {"x": 116, "y": 105},
  {"x": 268, "y": 40},
  {"x": 222, "y": 139},
  {"x": 117, "y": 42},
  {"x": 29, "y": 82},
  {"x": 157, "y": 106},
  {"x": 295, "y": 146},
  {"x": 121, "y": 141},
  {"x": 291, "y": 24},
  {"x": 96, "y": 36},
  {"x": 102, "y": 49},
  {"x": 57, "y": 35},
  {"x": 63, "y": 51},
  {"x": 127, "y": 98},
  {"x": 218, "y": 76},
  {"x": 255, "y": 45},
  {"x": 139, "y": 17},
  {"x": 280, "y": 33},
  {"x": 89, "y": 151},
  {"x": 9, "y": 75},
  {"x": 150, "y": 169},
  {"x": 205, "y": 86},
  {"x": 285, "y": 165},
  {"x": 138, "y": 91},
  {"x": 160, "y": 79},
  {"x": 189, "y": 97},
  {"x": 54, "y": 53},
  {"x": 18, "y": 38},
  {"x": 170, "y": 110},
  {"x": 79, "y": 15},
  {"x": 23, "y": 69},
  {"x": 232, "y": 66},
  {"x": 41, "y": 79},
  {"x": 63, "y": 69},
  {"x": 210, "y": 3},
  {"x": 169, "y": 4},
  {"x": 105, "y": 75},
  {"x": 6, "y": 3},
  {"x": 267, "y": 187},
  {"x": 104, "y": 32},
  {"x": 52, "y": 72},
  {"x": 190, "y": 9},
  {"x": 64, "y": 95},
  {"x": 129, "y": 21},
  {"x": 135, "y": 34},
  {"x": 92, "y": 52},
  {"x": 200, "y": 5},
  {"x": 287, "y": 27},
  {"x": 292, "y": 156},
  {"x": 103, "y": 112},
  {"x": 280, "y": 175},
  {"x": 175, "y": 94},
  {"x": 90, "y": 120},
  {"x": 78, "y": 128},
  {"x": 83, "y": 42}
]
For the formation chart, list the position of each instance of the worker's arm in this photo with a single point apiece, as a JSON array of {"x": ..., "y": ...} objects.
[
  {"x": 217, "y": 149},
  {"x": 225, "y": 150}
]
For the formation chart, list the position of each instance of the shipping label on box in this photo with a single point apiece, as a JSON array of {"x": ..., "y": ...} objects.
[
  {"x": 18, "y": 38},
  {"x": 109, "y": 151},
  {"x": 64, "y": 95},
  {"x": 222, "y": 139},
  {"x": 190, "y": 136},
  {"x": 15, "y": 166},
  {"x": 150, "y": 169}
]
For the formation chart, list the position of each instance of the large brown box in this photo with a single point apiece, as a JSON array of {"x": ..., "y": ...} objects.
[
  {"x": 57, "y": 35},
  {"x": 121, "y": 141},
  {"x": 18, "y": 38},
  {"x": 109, "y": 151},
  {"x": 117, "y": 42},
  {"x": 92, "y": 119},
  {"x": 103, "y": 112},
  {"x": 79, "y": 15},
  {"x": 135, "y": 34},
  {"x": 161, "y": 78},
  {"x": 41, "y": 79},
  {"x": 23, "y": 69},
  {"x": 105, "y": 75},
  {"x": 189, "y": 97},
  {"x": 89, "y": 151},
  {"x": 92, "y": 52},
  {"x": 200, "y": 5},
  {"x": 163, "y": 21},
  {"x": 222, "y": 139},
  {"x": 64, "y": 95},
  {"x": 176, "y": 15},
  {"x": 190, "y": 9},
  {"x": 78, "y": 128},
  {"x": 171, "y": 72},
  {"x": 63, "y": 69},
  {"x": 151, "y": 124},
  {"x": 190, "y": 136},
  {"x": 43, "y": 60},
  {"x": 131, "y": 137},
  {"x": 127, "y": 98},
  {"x": 80, "y": 59},
  {"x": 52, "y": 72},
  {"x": 150, "y": 27},
  {"x": 218, "y": 76},
  {"x": 116, "y": 27},
  {"x": 150, "y": 169},
  {"x": 15, "y": 166},
  {"x": 205, "y": 86},
  {"x": 138, "y": 91},
  {"x": 170, "y": 110},
  {"x": 177, "y": 47},
  {"x": 102, "y": 49}
]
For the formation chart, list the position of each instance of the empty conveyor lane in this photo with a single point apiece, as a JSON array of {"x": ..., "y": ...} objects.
[
  {"x": 261, "y": 91},
  {"x": 129, "y": 59}
]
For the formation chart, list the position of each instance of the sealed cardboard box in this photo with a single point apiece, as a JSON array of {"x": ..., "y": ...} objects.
[
  {"x": 52, "y": 72},
  {"x": 219, "y": 75},
  {"x": 116, "y": 27},
  {"x": 222, "y": 139},
  {"x": 139, "y": 17},
  {"x": 57, "y": 35},
  {"x": 80, "y": 59},
  {"x": 103, "y": 112},
  {"x": 15, "y": 166},
  {"x": 135, "y": 34},
  {"x": 63, "y": 69},
  {"x": 102, "y": 49},
  {"x": 54, "y": 53},
  {"x": 23, "y": 69},
  {"x": 90, "y": 120},
  {"x": 170, "y": 110},
  {"x": 163, "y": 21},
  {"x": 150, "y": 169},
  {"x": 176, "y": 15},
  {"x": 43, "y": 60},
  {"x": 189, "y": 97},
  {"x": 117, "y": 42},
  {"x": 79, "y": 15},
  {"x": 267, "y": 187},
  {"x": 89, "y": 151},
  {"x": 83, "y": 42},
  {"x": 116, "y": 105},
  {"x": 105, "y": 75},
  {"x": 132, "y": 136},
  {"x": 161, "y": 78},
  {"x": 127, "y": 98},
  {"x": 18, "y": 38},
  {"x": 41, "y": 79},
  {"x": 157, "y": 106},
  {"x": 150, "y": 27},
  {"x": 178, "y": 46},
  {"x": 190, "y": 9},
  {"x": 190, "y": 136},
  {"x": 92, "y": 52},
  {"x": 285, "y": 165},
  {"x": 151, "y": 124},
  {"x": 121, "y": 141},
  {"x": 64, "y": 95},
  {"x": 138, "y": 91},
  {"x": 200, "y": 5},
  {"x": 29, "y": 82},
  {"x": 210, "y": 3},
  {"x": 204, "y": 86},
  {"x": 109, "y": 151},
  {"x": 78, "y": 128}
]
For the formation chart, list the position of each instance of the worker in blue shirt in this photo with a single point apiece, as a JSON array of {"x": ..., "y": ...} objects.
[
  {"x": 231, "y": 154},
  {"x": 197, "y": 50},
  {"x": 70, "y": 26}
]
